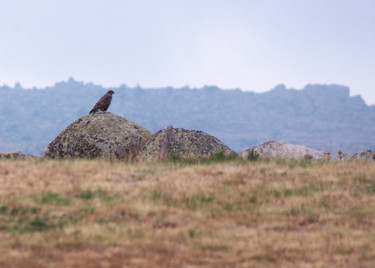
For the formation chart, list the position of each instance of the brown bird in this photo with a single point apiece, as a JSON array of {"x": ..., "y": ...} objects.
[{"x": 103, "y": 103}]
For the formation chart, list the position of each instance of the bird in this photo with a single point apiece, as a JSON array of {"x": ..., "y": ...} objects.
[{"x": 103, "y": 103}]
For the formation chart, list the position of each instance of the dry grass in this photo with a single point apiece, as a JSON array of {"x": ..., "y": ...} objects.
[{"x": 234, "y": 214}]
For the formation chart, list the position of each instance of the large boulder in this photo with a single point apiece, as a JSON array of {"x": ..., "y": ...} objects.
[
  {"x": 102, "y": 135},
  {"x": 281, "y": 150},
  {"x": 182, "y": 143}
]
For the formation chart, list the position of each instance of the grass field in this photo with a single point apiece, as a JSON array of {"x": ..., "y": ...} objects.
[{"x": 227, "y": 214}]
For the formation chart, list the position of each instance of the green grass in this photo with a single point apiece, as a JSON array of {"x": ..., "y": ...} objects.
[
  {"x": 56, "y": 199},
  {"x": 86, "y": 195},
  {"x": 218, "y": 157},
  {"x": 40, "y": 225}
]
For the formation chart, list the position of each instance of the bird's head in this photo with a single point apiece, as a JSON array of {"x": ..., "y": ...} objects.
[{"x": 111, "y": 92}]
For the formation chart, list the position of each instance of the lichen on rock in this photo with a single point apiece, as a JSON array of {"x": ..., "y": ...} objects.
[
  {"x": 182, "y": 143},
  {"x": 102, "y": 135}
]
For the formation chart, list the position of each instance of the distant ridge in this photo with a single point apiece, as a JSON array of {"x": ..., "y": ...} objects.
[{"x": 323, "y": 117}]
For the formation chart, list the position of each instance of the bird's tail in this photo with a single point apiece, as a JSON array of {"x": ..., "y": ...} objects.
[{"x": 92, "y": 111}]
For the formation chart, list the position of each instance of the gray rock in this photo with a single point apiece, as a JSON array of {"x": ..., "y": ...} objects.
[
  {"x": 102, "y": 135},
  {"x": 182, "y": 143},
  {"x": 16, "y": 155},
  {"x": 364, "y": 155},
  {"x": 281, "y": 150}
]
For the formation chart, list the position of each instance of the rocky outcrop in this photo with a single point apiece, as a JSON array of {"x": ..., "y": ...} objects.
[
  {"x": 16, "y": 155},
  {"x": 364, "y": 155},
  {"x": 281, "y": 150},
  {"x": 182, "y": 143},
  {"x": 102, "y": 135}
]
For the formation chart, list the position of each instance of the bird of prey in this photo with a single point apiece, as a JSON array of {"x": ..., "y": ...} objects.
[{"x": 103, "y": 103}]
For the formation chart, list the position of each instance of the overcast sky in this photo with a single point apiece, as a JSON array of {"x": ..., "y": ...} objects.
[{"x": 247, "y": 44}]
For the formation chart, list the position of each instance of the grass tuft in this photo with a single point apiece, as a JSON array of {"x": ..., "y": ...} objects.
[
  {"x": 39, "y": 225},
  {"x": 56, "y": 199},
  {"x": 86, "y": 195}
]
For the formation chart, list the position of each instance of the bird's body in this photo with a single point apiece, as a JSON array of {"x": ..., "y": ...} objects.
[{"x": 103, "y": 103}]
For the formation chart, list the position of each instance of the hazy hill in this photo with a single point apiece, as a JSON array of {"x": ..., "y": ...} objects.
[{"x": 324, "y": 117}]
